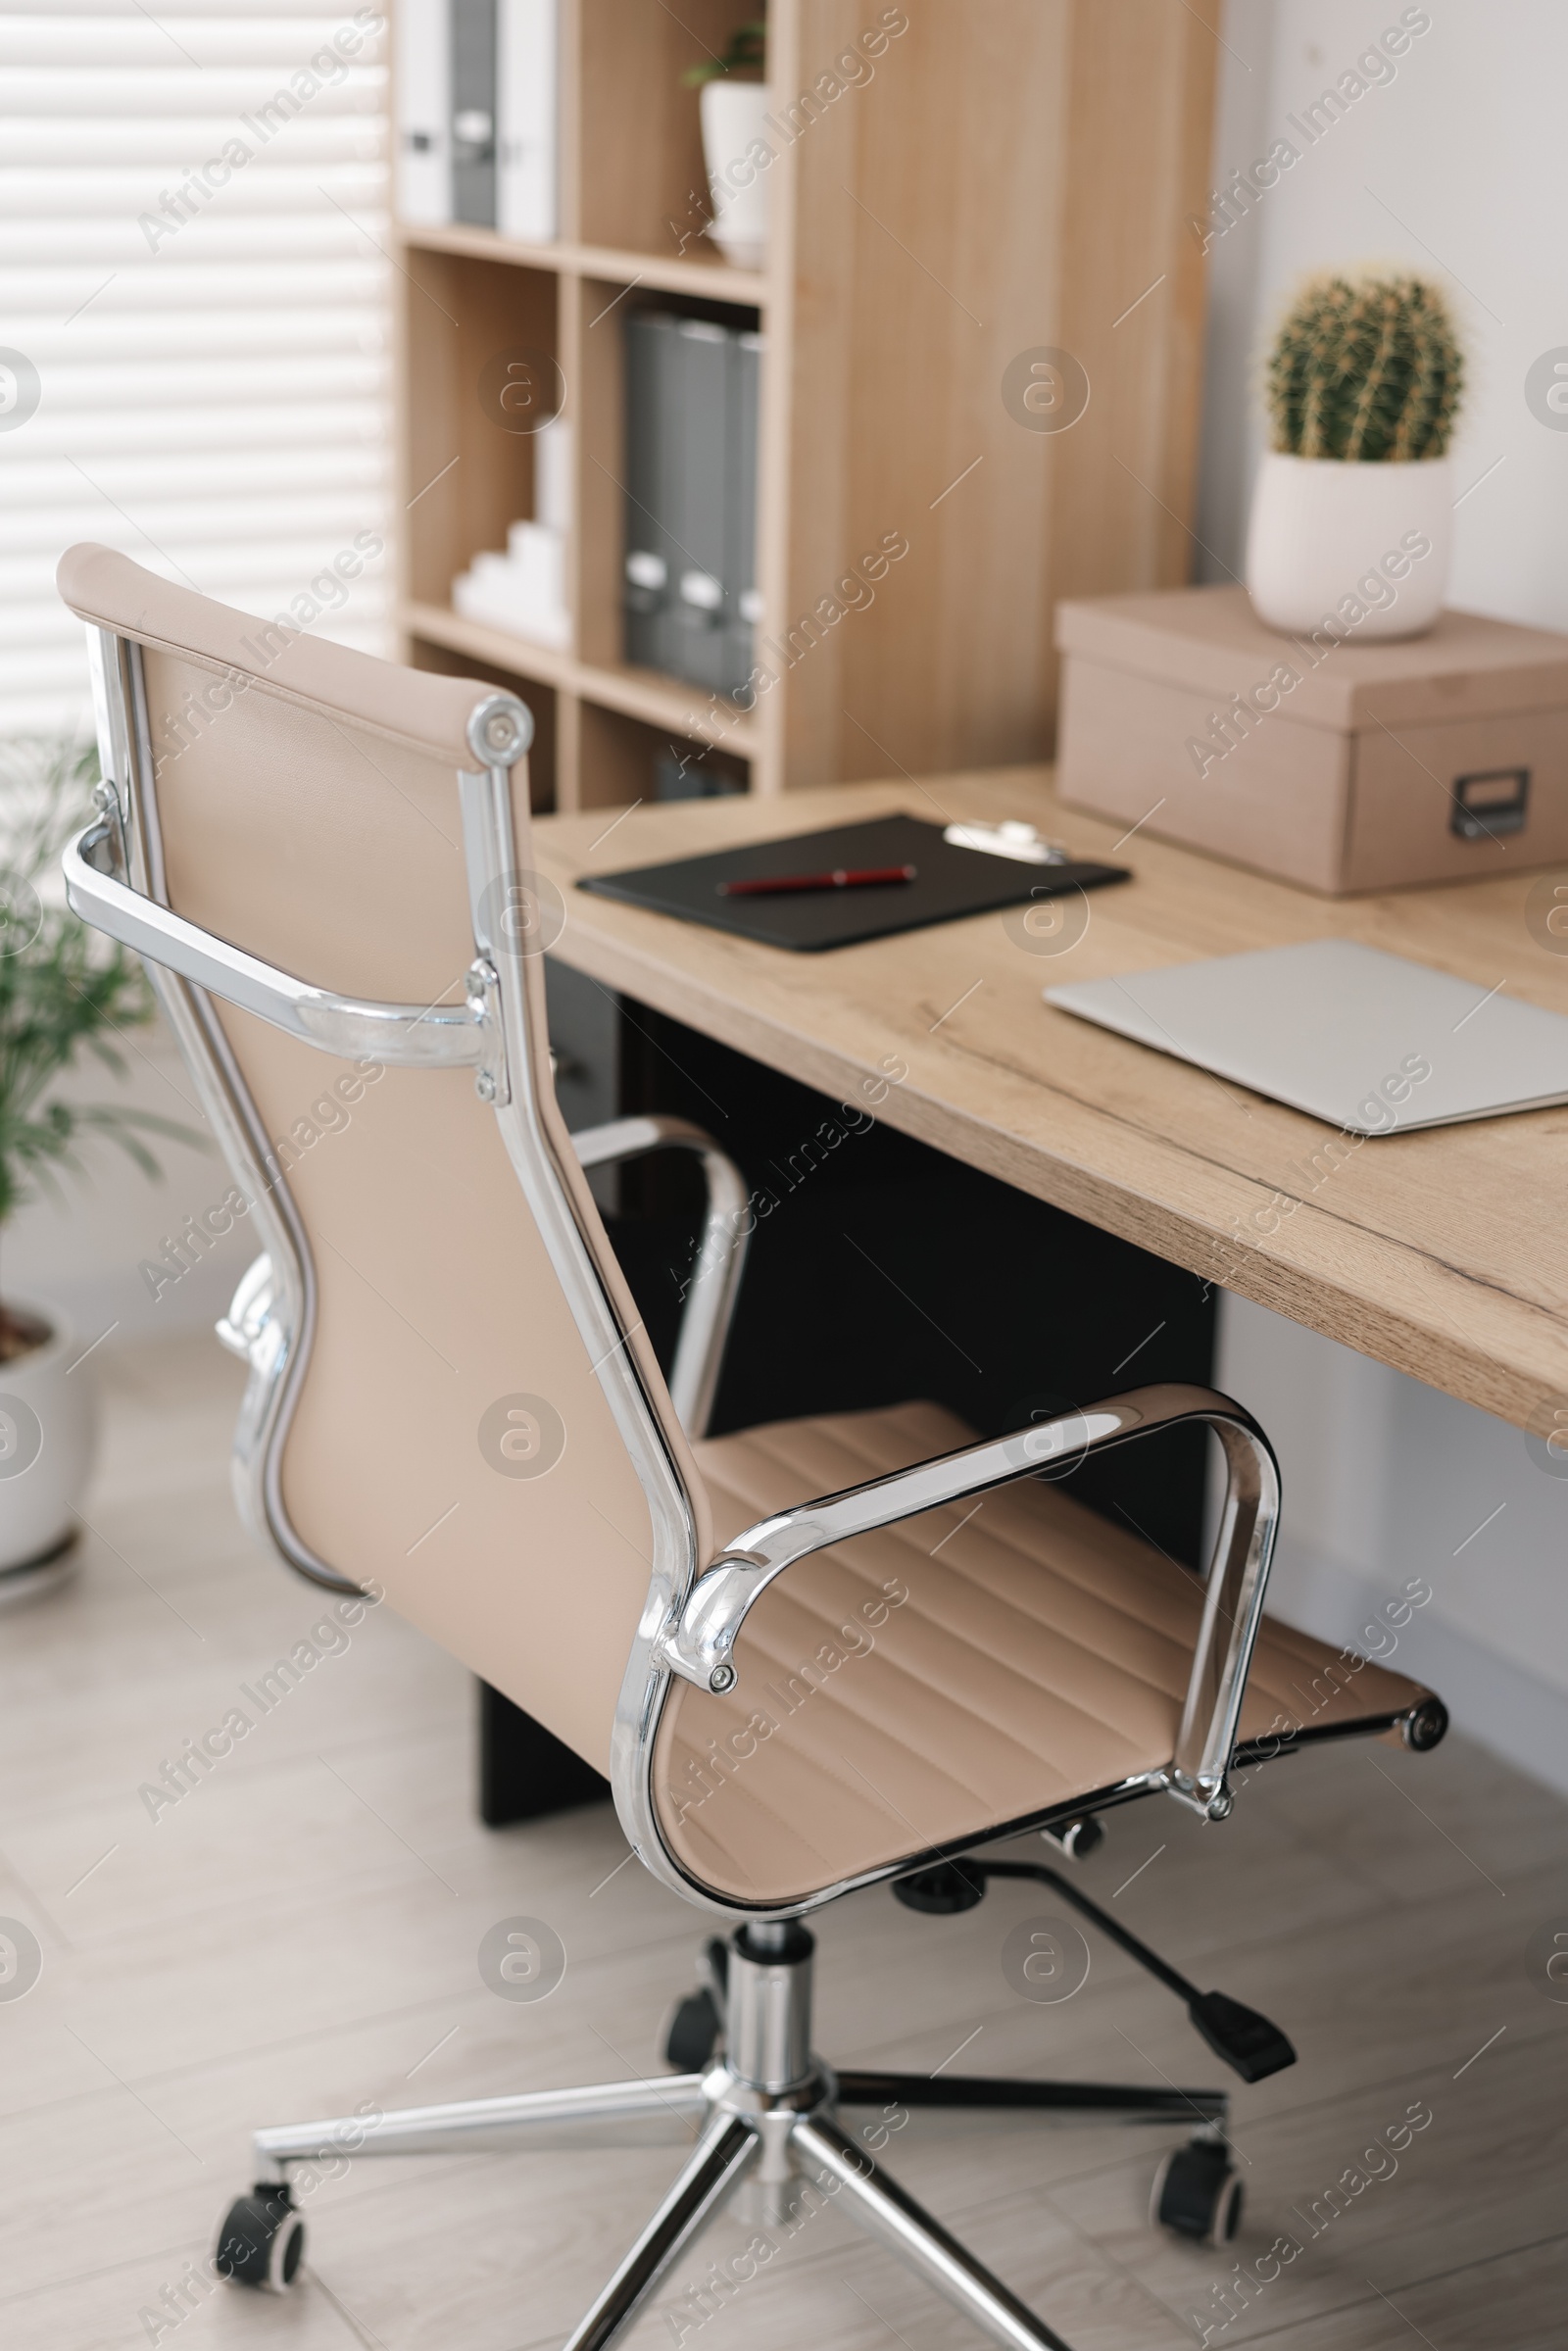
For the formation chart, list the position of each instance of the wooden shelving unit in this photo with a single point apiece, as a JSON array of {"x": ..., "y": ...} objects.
[
  {"x": 664, "y": 701},
  {"x": 661, "y": 273},
  {"x": 997, "y": 180}
]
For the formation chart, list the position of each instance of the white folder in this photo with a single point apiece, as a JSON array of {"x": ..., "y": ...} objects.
[
  {"x": 422, "y": 66},
  {"x": 526, "y": 111}
]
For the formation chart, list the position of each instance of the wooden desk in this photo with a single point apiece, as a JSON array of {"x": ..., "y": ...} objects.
[{"x": 1444, "y": 1253}]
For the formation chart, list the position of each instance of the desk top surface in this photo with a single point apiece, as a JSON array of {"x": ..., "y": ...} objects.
[{"x": 1444, "y": 1252}]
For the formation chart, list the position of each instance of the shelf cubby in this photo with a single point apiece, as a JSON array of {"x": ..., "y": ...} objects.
[
  {"x": 618, "y": 756},
  {"x": 640, "y": 184},
  {"x": 466, "y": 474}
]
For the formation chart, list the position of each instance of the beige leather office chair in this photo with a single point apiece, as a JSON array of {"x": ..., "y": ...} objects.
[{"x": 326, "y": 860}]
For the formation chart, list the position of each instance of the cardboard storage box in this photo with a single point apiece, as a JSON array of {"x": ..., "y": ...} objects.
[{"x": 1340, "y": 765}]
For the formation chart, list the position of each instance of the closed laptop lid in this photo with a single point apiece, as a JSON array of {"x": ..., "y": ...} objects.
[{"x": 1369, "y": 1041}]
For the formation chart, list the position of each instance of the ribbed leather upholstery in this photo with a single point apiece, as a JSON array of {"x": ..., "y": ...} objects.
[{"x": 1039, "y": 1653}]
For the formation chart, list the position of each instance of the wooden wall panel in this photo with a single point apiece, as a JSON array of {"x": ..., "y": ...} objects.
[{"x": 1010, "y": 178}]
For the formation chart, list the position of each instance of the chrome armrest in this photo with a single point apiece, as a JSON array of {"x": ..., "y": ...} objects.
[
  {"x": 466, "y": 1035},
  {"x": 715, "y": 1276},
  {"x": 698, "y": 1643}
]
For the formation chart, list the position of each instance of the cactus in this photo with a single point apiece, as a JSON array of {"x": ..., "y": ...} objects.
[{"x": 1365, "y": 366}]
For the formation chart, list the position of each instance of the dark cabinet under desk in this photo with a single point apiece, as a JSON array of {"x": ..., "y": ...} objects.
[{"x": 879, "y": 1271}]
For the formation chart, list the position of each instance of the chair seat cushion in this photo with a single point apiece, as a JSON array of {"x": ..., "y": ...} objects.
[{"x": 945, "y": 1677}]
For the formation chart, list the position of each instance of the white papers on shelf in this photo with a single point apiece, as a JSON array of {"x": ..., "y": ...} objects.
[
  {"x": 504, "y": 593},
  {"x": 551, "y": 474},
  {"x": 524, "y": 590},
  {"x": 538, "y": 555}
]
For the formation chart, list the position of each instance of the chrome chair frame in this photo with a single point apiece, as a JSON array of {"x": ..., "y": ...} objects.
[
  {"x": 767, "y": 2115},
  {"x": 770, "y": 2105}
]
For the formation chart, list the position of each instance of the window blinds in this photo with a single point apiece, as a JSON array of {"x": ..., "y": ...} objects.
[{"x": 194, "y": 317}]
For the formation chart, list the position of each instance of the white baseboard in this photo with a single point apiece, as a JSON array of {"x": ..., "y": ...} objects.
[
  {"x": 1386, "y": 1480},
  {"x": 1490, "y": 1697}
]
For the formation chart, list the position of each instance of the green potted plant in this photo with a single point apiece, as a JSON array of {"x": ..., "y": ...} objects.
[
  {"x": 64, "y": 993},
  {"x": 1363, "y": 387},
  {"x": 736, "y": 148}
]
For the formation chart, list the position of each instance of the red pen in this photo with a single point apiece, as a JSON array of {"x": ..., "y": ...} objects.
[{"x": 773, "y": 885}]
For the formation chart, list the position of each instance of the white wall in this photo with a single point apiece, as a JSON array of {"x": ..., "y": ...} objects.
[
  {"x": 1385, "y": 1479},
  {"x": 1452, "y": 168}
]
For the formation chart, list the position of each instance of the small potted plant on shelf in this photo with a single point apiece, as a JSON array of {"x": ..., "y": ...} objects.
[
  {"x": 63, "y": 991},
  {"x": 1363, "y": 389},
  {"x": 736, "y": 148}
]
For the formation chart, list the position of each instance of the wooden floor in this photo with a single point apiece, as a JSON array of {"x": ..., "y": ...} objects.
[{"x": 298, "y": 1935}]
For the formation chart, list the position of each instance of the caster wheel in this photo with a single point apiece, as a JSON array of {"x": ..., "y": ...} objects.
[
  {"x": 693, "y": 2034},
  {"x": 941, "y": 1890},
  {"x": 262, "y": 2239},
  {"x": 1197, "y": 2194}
]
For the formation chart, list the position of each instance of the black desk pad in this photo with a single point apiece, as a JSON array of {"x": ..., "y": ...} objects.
[{"x": 950, "y": 883}]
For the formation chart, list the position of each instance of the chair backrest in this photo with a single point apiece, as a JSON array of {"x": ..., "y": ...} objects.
[{"x": 442, "y": 1428}]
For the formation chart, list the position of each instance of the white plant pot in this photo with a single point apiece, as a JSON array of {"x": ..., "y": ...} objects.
[
  {"x": 734, "y": 137},
  {"x": 48, "y": 1431},
  {"x": 1324, "y": 530}
]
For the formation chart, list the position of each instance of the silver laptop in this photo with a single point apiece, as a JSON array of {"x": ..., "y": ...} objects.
[{"x": 1369, "y": 1041}]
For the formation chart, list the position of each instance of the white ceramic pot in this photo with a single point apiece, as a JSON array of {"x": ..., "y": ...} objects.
[
  {"x": 734, "y": 137},
  {"x": 1324, "y": 532},
  {"x": 48, "y": 1430}
]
